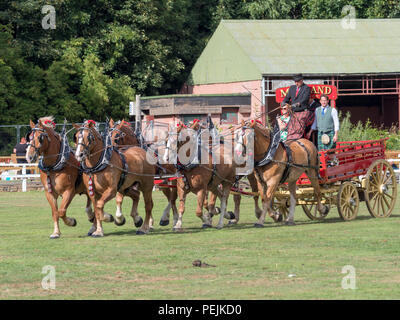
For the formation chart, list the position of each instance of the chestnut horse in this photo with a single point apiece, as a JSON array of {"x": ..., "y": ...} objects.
[
  {"x": 233, "y": 216},
  {"x": 304, "y": 159},
  {"x": 200, "y": 178},
  {"x": 59, "y": 172},
  {"x": 122, "y": 135},
  {"x": 108, "y": 171}
]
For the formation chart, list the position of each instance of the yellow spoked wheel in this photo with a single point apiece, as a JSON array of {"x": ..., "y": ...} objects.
[
  {"x": 281, "y": 205},
  {"x": 311, "y": 210},
  {"x": 380, "y": 189},
  {"x": 348, "y": 201}
]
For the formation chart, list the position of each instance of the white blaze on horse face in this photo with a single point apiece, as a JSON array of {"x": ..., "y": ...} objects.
[
  {"x": 28, "y": 150},
  {"x": 78, "y": 149},
  {"x": 239, "y": 143}
]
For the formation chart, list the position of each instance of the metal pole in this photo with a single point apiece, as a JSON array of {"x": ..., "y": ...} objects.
[
  {"x": 18, "y": 133},
  {"x": 138, "y": 113}
]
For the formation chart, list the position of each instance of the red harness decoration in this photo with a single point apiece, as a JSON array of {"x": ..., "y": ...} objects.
[
  {"x": 91, "y": 121},
  {"x": 91, "y": 190},
  {"x": 50, "y": 122}
]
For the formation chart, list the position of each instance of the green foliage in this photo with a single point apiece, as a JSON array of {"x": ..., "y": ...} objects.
[
  {"x": 104, "y": 52},
  {"x": 365, "y": 131}
]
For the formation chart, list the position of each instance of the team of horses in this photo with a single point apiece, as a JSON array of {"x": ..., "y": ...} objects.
[{"x": 118, "y": 163}]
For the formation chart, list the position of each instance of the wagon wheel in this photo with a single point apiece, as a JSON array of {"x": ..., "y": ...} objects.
[
  {"x": 380, "y": 189},
  {"x": 281, "y": 205},
  {"x": 348, "y": 201},
  {"x": 311, "y": 209}
]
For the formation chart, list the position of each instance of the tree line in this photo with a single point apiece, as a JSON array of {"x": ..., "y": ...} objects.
[{"x": 103, "y": 52}]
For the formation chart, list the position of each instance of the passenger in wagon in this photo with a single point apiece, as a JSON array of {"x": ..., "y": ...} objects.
[
  {"x": 327, "y": 124},
  {"x": 283, "y": 120}
]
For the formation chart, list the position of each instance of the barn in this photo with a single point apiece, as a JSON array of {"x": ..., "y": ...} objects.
[{"x": 251, "y": 58}]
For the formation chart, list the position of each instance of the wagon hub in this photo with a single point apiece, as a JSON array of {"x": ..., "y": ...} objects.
[{"x": 383, "y": 188}]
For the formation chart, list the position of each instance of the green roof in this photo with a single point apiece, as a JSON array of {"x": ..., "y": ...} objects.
[{"x": 242, "y": 50}]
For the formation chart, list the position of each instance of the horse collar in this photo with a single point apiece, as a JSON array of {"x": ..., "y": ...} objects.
[
  {"x": 62, "y": 158},
  {"x": 104, "y": 158}
]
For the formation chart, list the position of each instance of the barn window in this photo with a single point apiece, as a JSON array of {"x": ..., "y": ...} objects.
[{"x": 229, "y": 115}]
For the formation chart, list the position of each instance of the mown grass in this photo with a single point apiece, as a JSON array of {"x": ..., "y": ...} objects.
[{"x": 250, "y": 263}]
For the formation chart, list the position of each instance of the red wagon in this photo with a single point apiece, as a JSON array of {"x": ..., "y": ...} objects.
[{"x": 354, "y": 171}]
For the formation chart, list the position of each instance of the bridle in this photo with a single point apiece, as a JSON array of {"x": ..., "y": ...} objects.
[
  {"x": 40, "y": 138},
  {"x": 91, "y": 139}
]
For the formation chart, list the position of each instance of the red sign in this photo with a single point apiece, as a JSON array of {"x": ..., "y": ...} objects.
[{"x": 316, "y": 91}]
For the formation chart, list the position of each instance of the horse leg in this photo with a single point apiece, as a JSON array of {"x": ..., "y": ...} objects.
[
  {"x": 182, "y": 199},
  {"x": 254, "y": 188},
  {"x": 107, "y": 195},
  {"x": 135, "y": 196},
  {"x": 89, "y": 210},
  {"x": 210, "y": 205},
  {"x": 164, "y": 221},
  {"x": 54, "y": 212},
  {"x": 67, "y": 197},
  {"x": 266, "y": 199},
  {"x": 323, "y": 209},
  {"x": 224, "y": 201},
  {"x": 174, "y": 196},
  {"x": 119, "y": 217},
  {"x": 201, "y": 195},
  {"x": 292, "y": 208},
  {"x": 237, "y": 198},
  {"x": 148, "y": 205}
]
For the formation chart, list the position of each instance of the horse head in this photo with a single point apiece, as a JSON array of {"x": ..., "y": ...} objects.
[
  {"x": 40, "y": 139},
  {"x": 122, "y": 133},
  {"x": 87, "y": 138}
]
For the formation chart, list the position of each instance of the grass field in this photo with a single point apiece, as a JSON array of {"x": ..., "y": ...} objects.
[{"x": 250, "y": 263}]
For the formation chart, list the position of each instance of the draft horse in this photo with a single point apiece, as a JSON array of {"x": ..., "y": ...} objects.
[
  {"x": 122, "y": 136},
  {"x": 59, "y": 171},
  {"x": 107, "y": 170},
  {"x": 214, "y": 176},
  {"x": 286, "y": 166}
]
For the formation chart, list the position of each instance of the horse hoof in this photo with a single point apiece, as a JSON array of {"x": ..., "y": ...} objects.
[
  {"x": 205, "y": 226},
  {"x": 164, "y": 223},
  {"x": 120, "y": 223},
  {"x": 54, "y": 236},
  {"x": 279, "y": 218},
  {"x": 151, "y": 229},
  {"x": 91, "y": 220},
  {"x": 73, "y": 222},
  {"x": 290, "y": 223},
  {"x": 326, "y": 210},
  {"x": 140, "y": 233},
  {"x": 139, "y": 223},
  {"x": 231, "y": 215},
  {"x": 89, "y": 233},
  {"x": 258, "y": 225},
  {"x": 230, "y": 222},
  {"x": 219, "y": 227},
  {"x": 111, "y": 218},
  {"x": 96, "y": 235}
]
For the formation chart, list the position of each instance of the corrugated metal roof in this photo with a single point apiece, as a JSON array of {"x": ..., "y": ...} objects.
[{"x": 246, "y": 49}]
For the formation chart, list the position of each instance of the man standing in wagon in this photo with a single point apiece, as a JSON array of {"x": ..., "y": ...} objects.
[{"x": 327, "y": 123}]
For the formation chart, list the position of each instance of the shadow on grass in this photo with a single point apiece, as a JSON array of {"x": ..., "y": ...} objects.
[{"x": 241, "y": 226}]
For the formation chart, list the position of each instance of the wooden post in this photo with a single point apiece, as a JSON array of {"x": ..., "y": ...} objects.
[{"x": 138, "y": 113}]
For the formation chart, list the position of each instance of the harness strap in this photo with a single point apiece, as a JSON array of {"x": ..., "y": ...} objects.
[
  {"x": 124, "y": 171},
  {"x": 214, "y": 170},
  {"x": 288, "y": 163}
]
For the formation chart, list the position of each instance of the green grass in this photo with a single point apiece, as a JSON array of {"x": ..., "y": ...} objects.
[{"x": 250, "y": 263}]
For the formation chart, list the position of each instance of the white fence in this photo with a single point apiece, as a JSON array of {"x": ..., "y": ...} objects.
[{"x": 9, "y": 172}]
